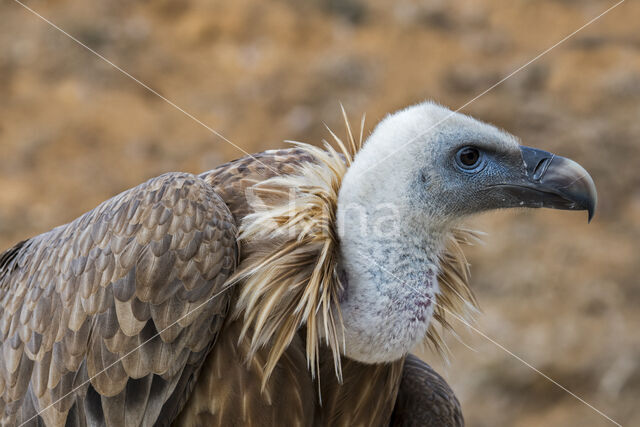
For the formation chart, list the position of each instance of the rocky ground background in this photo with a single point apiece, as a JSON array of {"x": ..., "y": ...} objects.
[{"x": 559, "y": 293}]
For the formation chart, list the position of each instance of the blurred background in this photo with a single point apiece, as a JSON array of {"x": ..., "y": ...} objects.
[{"x": 561, "y": 294}]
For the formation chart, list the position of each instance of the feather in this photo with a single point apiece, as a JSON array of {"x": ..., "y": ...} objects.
[
  {"x": 289, "y": 278},
  {"x": 425, "y": 398}
]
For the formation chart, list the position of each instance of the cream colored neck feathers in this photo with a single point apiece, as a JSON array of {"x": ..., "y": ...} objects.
[{"x": 368, "y": 296}]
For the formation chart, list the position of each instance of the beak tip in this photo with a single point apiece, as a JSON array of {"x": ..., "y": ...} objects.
[
  {"x": 592, "y": 198},
  {"x": 591, "y": 209},
  {"x": 568, "y": 185}
]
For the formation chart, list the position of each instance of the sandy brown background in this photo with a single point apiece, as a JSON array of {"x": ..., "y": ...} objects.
[{"x": 559, "y": 293}]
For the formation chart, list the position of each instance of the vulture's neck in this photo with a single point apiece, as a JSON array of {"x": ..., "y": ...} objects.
[
  {"x": 406, "y": 254},
  {"x": 392, "y": 283}
]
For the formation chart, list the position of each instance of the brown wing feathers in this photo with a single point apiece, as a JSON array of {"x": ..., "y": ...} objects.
[{"x": 75, "y": 300}]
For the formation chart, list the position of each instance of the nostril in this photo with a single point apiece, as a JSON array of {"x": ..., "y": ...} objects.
[{"x": 541, "y": 168}]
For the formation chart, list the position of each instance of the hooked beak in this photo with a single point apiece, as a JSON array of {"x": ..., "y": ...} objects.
[{"x": 550, "y": 181}]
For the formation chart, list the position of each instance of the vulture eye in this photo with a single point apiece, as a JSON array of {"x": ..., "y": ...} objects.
[{"x": 469, "y": 159}]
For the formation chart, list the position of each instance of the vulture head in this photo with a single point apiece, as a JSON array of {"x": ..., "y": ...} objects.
[
  {"x": 422, "y": 171},
  {"x": 359, "y": 248}
]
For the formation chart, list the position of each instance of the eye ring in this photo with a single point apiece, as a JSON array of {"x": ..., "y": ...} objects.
[{"x": 469, "y": 159}]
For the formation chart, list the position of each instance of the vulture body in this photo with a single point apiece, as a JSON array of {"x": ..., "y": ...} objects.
[
  {"x": 78, "y": 298},
  {"x": 182, "y": 301}
]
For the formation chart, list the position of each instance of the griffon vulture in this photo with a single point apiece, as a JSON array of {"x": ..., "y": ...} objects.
[{"x": 283, "y": 288}]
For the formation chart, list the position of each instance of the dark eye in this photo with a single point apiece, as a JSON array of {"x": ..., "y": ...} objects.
[{"x": 469, "y": 158}]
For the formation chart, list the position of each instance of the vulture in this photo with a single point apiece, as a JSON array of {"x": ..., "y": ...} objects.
[{"x": 283, "y": 288}]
